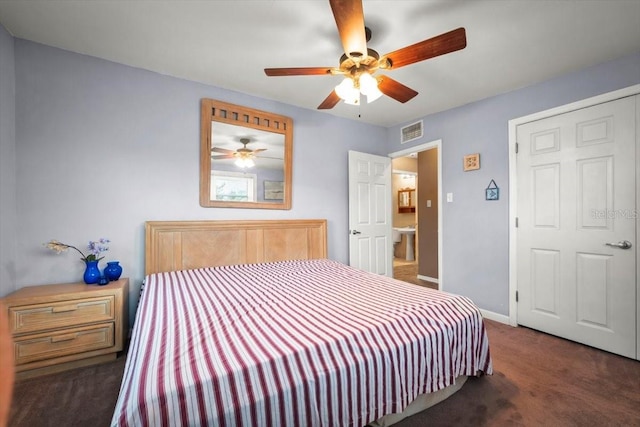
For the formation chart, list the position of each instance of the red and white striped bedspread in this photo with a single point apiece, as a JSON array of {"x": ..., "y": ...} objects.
[{"x": 294, "y": 343}]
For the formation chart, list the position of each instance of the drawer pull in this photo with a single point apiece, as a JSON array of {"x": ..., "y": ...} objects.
[
  {"x": 60, "y": 338},
  {"x": 64, "y": 308}
]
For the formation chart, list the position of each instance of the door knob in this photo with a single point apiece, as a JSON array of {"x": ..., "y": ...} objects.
[
  {"x": 625, "y": 244},
  {"x": 355, "y": 232}
]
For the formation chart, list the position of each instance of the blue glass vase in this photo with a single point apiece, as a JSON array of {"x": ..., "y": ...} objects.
[
  {"x": 113, "y": 270},
  {"x": 91, "y": 273}
]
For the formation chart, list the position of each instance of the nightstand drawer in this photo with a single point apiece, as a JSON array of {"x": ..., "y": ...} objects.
[
  {"x": 42, "y": 317},
  {"x": 62, "y": 343}
]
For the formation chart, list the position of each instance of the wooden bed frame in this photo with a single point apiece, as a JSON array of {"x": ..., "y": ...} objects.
[{"x": 182, "y": 245}]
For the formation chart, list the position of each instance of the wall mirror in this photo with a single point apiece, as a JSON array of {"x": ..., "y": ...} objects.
[
  {"x": 406, "y": 200},
  {"x": 245, "y": 157}
]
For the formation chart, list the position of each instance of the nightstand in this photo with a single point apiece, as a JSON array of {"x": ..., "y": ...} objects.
[{"x": 64, "y": 326}]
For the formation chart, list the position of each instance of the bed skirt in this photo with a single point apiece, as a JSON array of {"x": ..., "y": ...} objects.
[{"x": 420, "y": 403}]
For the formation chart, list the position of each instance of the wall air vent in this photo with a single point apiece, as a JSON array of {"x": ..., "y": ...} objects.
[{"x": 411, "y": 132}]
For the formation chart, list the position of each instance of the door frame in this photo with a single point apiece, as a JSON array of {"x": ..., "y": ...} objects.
[
  {"x": 513, "y": 182},
  {"x": 416, "y": 149}
]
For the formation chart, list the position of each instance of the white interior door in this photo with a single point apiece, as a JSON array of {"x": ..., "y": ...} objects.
[
  {"x": 370, "y": 243},
  {"x": 576, "y": 278}
]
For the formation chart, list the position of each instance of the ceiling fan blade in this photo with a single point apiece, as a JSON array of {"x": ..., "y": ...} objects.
[
  {"x": 350, "y": 21},
  {"x": 299, "y": 71},
  {"x": 395, "y": 89},
  {"x": 259, "y": 150},
  {"x": 271, "y": 158},
  {"x": 223, "y": 156},
  {"x": 330, "y": 101},
  {"x": 430, "y": 48},
  {"x": 221, "y": 150}
]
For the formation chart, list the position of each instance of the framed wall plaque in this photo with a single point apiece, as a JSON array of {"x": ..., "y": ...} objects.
[{"x": 471, "y": 162}]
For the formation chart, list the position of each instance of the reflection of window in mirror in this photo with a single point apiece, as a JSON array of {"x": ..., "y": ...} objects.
[
  {"x": 404, "y": 199},
  {"x": 233, "y": 186}
]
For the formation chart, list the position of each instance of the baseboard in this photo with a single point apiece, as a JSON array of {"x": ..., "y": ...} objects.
[
  {"x": 428, "y": 279},
  {"x": 495, "y": 316}
]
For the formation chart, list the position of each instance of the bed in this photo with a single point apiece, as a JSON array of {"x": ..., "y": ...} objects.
[{"x": 247, "y": 323}]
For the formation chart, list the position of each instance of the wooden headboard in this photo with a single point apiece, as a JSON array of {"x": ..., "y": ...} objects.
[{"x": 182, "y": 245}]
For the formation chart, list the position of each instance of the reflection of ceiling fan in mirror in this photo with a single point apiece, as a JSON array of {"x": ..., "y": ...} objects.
[
  {"x": 359, "y": 64},
  {"x": 244, "y": 157}
]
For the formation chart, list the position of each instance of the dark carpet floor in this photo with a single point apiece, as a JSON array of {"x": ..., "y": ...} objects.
[{"x": 538, "y": 380}]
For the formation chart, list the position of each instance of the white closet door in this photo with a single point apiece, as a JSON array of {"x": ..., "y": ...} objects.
[{"x": 577, "y": 215}]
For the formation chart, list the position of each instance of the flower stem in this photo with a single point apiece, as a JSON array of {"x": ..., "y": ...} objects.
[{"x": 73, "y": 247}]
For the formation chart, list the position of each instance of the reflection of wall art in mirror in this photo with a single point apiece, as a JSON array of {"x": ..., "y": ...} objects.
[
  {"x": 273, "y": 190},
  {"x": 241, "y": 150}
]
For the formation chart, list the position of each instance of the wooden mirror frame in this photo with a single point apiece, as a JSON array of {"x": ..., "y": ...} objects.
[{"x": 218, "y": 111}]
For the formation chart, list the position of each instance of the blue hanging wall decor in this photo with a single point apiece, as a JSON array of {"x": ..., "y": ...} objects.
[{"x": 492, "y": 192}]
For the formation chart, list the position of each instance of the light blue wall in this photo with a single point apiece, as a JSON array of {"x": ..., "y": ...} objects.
[
  {"x": 476, "y": 233},
  {"x": 8, "y": 219},
  {"x": 103, "y": 147},
  {"x": 100, "y": 148}
]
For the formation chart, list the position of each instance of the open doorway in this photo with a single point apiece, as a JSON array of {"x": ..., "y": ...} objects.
[{"x": 416, "y": 205}]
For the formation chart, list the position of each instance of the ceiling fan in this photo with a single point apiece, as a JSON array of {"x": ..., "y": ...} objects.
[
  {"x": 359, "y": 63},
  {"x": 244, "y": 156}
]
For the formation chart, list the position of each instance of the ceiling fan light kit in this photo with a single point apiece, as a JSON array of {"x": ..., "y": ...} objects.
[
  {"x": 359, "y": 63},
  {"x": 350, "y": 88},
  {"x": 244, "y": 162},
  {"x": 244, "y": 156}
]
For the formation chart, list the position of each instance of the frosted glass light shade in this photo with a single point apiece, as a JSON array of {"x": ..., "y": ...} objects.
[
  {"x": 347, "y": 91},
  {"x": 369, "y": 87}
]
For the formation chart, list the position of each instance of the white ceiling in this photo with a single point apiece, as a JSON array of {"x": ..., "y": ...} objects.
[{"x": 510, "y": 43}]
